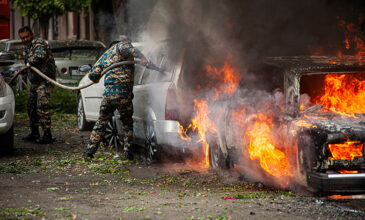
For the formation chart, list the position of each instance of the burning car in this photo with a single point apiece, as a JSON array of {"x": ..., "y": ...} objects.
[{"x": 296, "y": 119}]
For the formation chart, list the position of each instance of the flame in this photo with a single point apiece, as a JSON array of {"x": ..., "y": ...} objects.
[
  {"x": 347, "y": 171},
  {"x": 343, "y": 94},
  {"x": 346, "y": 151},
  {"x": 228, "y": 80},
  {"x": 272, "y": 160},
  {"x": 302, "y": 123},
  {"x": 228, "y": 77},
  {"x": 202, "y": 123},
  {"x": 183, "y": 133},
  {"x": 353, "y": 40}
]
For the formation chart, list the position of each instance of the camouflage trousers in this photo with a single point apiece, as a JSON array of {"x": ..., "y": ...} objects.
[
  {"x": 38, "y": 105},
  {"x": 115, "y": 97}
]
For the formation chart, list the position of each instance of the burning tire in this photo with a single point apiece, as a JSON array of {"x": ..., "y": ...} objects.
[
  {"x": 82, "y": 124},
  {"x": 217, "y": 160}
]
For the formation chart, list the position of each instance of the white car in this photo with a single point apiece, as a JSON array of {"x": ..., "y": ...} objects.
[
  {"x": 156, "y": 116},
  {"x": 7, "y": 108}
]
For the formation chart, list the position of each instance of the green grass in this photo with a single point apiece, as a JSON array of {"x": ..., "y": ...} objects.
[
  {"x": 61, "y": 101},
  {"x": 20, "y": 212}
]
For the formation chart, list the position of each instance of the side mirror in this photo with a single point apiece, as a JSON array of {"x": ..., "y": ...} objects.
[{"x": 85, "y": 68}]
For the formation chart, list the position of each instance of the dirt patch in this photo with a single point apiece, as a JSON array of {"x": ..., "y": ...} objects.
[{"x": 55, "y": 182}]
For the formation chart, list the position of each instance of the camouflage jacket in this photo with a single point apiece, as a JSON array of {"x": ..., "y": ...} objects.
[
  {"x": 40, "y": 56},
  {"x": 122, "y": 51}
]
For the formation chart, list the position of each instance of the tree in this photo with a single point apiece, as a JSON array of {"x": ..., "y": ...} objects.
[{"x": 43, "y": 10}]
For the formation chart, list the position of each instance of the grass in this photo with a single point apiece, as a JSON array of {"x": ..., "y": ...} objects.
[{"x": 20, "y": 212}]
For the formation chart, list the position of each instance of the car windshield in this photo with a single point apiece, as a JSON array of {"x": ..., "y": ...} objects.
[
  {"x": 16, "y": 48},
  {"x": 340, "y": 93},
  {"x": 77, "y": 53},
  {"x": 2, "y": 46}
]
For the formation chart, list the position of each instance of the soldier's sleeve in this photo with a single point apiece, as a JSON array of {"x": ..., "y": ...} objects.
[
  {"x": 38, "y": 56},
  {"x": 95, "y": 73}
]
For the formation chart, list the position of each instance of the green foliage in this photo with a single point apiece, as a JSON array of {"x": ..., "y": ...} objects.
[
  {"x": 48, "y": 8},
  {"x": 62, "y": 101},
  {"x": 17, "y": 212}
]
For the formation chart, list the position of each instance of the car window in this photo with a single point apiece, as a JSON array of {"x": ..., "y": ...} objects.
[
  {"x": 61, "y": 54},
  {"x": 17, "y": 50},
  {"x": 138, "y": 73},
  {"x": 2, "y": 46},
  {"x": 85, "y": 54},
  {"x": 152, "y": 76}
]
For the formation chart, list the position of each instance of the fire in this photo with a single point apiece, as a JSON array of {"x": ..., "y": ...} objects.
[
  {"x": 201, "y": 123},
  {"x": 347, "y": 171},
  {"x": 272, "y": 160},
  {"x": 302, "y": 123},
  {"x": 228, "y": 77},
  {"x": 353, "y": 40},
  {"x": 343, "y": 94},
  {"x": 346, "y": 151}
]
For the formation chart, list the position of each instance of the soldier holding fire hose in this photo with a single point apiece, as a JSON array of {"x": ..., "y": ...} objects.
[
  {"x": 118, "y": 93},
  {"x": 38, "y": 54}
]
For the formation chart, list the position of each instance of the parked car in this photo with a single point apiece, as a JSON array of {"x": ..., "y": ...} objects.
[
  {"x": 156, "y": 115},
  {"x": 7, "y": 107},
  {"x": 68, "y": 54},
  {"x": 287, "y": 89},
  {"x": 71, "y": 54}
]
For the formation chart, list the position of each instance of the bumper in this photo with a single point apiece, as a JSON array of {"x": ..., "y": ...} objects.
[
  {"x": 336, "y": 182},
  {"x": 6, "y": 114},
  {"x": 168, "y": 134}
]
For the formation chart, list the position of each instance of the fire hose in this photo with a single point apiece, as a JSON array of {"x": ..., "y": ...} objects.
[{"x": 150, "y": 66}]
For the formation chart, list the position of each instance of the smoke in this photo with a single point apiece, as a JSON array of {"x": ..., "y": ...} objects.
[{"x": 210, "y": 32}]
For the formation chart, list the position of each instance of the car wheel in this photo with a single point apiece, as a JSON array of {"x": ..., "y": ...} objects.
[
  {"x": 82, "y": 124},
  {"x": 151, "y": 145},
  {"x": 7, "y": 141},
  {"x": 112, "y": 137},
  {"x": 217, "y": 159}
]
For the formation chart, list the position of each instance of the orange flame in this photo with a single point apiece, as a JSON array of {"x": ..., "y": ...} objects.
[
  {"x": 302, "y": 123},
  {"x": 353, "y": 40},
  {"x": 346, "y": 151},
  {"x": 202, "y": 123},
  {"x": 272, "y": 160},
  {"x": 227, "y": 76},
  {"x": 228, "y": 81},
  {"x": 343, "y": 94},
  {"x": 347, "y": 171}
]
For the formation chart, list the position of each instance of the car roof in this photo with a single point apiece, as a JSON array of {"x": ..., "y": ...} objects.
[{"x": 299, "y": 65}]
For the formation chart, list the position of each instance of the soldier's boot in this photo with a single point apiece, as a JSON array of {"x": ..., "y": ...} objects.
[
  {"x": 46, "y": 138},
  {"x": 34, "y": 134},
  {"x": 128, "y": 155}
]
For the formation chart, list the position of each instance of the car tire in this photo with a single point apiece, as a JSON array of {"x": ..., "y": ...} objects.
[
  {"x": 82, "y": 124},
  {"x": 112, "y": 137},
  {"x": 217, "y": 159},
  {"x": 7, "y": 141},
  {"x": 151, "y": 145}
]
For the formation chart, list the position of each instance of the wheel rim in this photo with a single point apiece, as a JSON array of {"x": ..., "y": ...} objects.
[
  {"x": 111, "y": 136},
  {"x": 80, "y": 114},
  {"x": 150, "y": 144}
]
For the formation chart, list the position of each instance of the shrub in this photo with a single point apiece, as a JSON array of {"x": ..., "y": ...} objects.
[{"x": 62, "y": 100}]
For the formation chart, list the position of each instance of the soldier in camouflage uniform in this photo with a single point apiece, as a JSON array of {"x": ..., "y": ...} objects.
[
  {"x": 37, "y": 53},
  {"x": 118, "y": 93}
]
